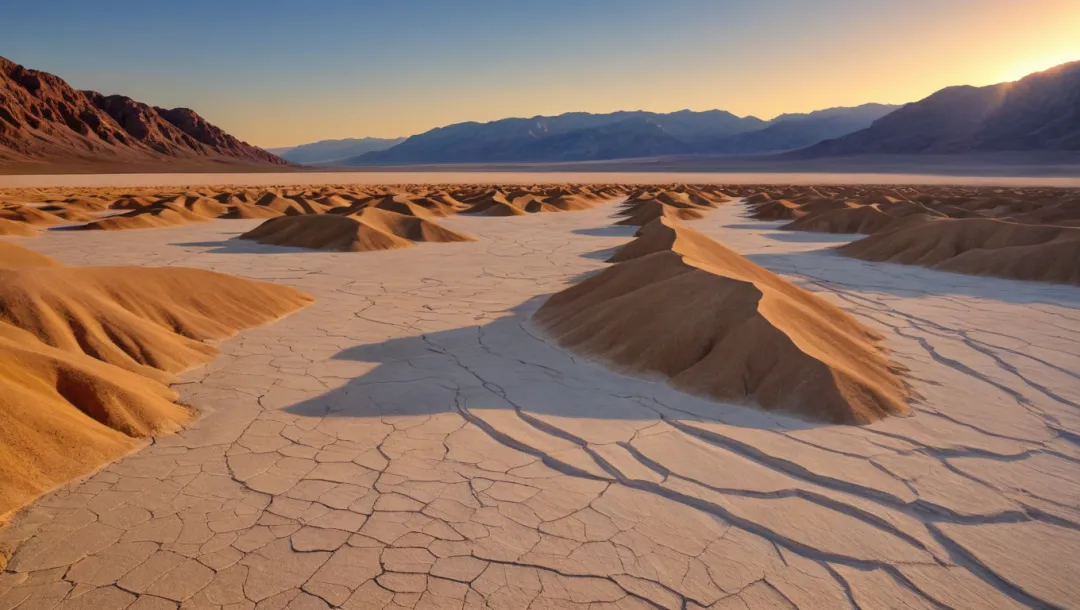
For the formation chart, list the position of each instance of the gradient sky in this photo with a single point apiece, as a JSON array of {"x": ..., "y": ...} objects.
[{"x": 278, "y": 73}]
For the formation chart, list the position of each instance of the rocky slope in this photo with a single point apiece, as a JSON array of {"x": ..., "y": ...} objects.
[
  {"x": 45, "y": 122},
  {"x": 329, "y": 152},
  {"x": 1039, "y": 112}
]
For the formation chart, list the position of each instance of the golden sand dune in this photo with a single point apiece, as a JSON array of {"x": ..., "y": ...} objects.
[
  {"x": 85, "y": 351},
  {"x": 17, "y": 257},
  {"x": 422, "y": 207},
  {"x": 860, "y": 219},
  {"x": 368, "y": 230},
  {"x": 251, "y": 211},
  {"x": 495, "y": 204},
  {"x": 62, "y": 414},
  {"x": 775, "y": 209},
  {"x": 149, "y": 320},
  {"x": 684, "y": 307},
  {"x": 75, "y": 215},
  {"x": 30, "y": 215},
  {"x": 165, "y": 215},
  {"x": 17, "y": 229},
  {"x": 979, "y": 246},
  {"x": 642, "y": 212}
]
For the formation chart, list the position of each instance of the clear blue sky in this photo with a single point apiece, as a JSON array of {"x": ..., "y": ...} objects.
[{"x": 279, "y": 73}]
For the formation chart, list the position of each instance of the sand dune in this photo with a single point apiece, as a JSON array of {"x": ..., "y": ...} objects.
[
  {"x": 368, "y": 230},
  {"x": 775, "y": 209},
  {"x": 85, "y": 353},
  {"x": 251, "y": 211},
  {"x": 686, "y": 308},
  {"x": 62, "y": 414},
  {"x": 167, "y": 215},
  {"x": 30, "y": 215},
  {"x": 979, "y": 247},
  {"x": 17, "y": 257},
  {"x": 16, "y": 229},
  {"x": 152, "y": 321},
  {"x": 643, "y": 212},
  {"x": 861, "y": 219}
]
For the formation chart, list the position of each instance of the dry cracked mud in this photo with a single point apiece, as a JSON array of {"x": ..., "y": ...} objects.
[{"x": 410, "y": 441}]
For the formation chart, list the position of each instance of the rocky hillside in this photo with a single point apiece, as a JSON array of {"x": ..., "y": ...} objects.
[
  {"x": 1039, "y": 112},
  {"x": 44, "y": 121}
]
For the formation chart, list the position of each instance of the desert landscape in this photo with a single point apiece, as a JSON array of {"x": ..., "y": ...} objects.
[
  {"x": 540, "y": 306},
  {"x": 542, "y": 395}
]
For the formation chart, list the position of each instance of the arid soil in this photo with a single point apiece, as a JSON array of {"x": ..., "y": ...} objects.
[{"x": 437, "y": 430}]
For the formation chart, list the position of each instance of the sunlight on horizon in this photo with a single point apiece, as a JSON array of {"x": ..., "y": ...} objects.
[{"x": 1041, "y": 63}]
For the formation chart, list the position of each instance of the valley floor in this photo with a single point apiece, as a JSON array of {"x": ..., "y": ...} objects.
[{"x": 410, "y": 440}]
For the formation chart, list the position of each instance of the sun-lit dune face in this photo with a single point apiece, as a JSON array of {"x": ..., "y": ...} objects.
[
  {"x": 87, "y": 352},
  {"x": 1018, "y": 233},
  {"x": 680, "y": 305}
]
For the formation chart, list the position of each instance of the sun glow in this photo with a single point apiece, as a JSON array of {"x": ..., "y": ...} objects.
[{"x": 1021, "y": 68}]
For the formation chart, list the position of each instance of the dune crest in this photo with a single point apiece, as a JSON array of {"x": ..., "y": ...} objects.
[
  {"x": 369, "y": 230},
  {"x": 85, "y": 353},
  {"x": 16, "y": 229},
  {"x": 979, "y": 246},
  {"x": 684, "y": 307}
]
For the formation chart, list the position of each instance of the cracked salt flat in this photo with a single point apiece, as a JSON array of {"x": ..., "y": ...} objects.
[{"x": 411, "y": 441}]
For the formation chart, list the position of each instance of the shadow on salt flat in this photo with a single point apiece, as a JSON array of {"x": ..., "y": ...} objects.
[{"x": 508, "y": 365}]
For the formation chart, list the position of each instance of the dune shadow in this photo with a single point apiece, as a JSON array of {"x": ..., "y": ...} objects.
[
  {"x": 757, "y": 226},
  {"x": 507, "y": 365},
  {"x": 240, "y": 246},
  {"x": 612, "y": 231},
  {"x": 810, "y": 237},
  {"x": 600, "y": 255}
]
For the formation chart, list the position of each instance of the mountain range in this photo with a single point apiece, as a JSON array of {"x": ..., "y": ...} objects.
[
  {"x": 45, "y": 122},
  {"x": 1040, "y": 112},
  {"x": 47, "y": 125},
  {"x": 329, "y": 152},
  {"x": 582, "y": 136}
]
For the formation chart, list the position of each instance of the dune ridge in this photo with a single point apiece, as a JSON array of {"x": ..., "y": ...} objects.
[
  {"x": 979, "y": 246},
  {"x": 86, "y": 352},
  {"x": 681, "y": 306},
  {"x": 369, "y": 230}
]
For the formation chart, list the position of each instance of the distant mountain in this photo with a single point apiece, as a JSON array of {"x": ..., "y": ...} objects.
[
  {"x": 278, "y": 150},
  {"x": 619, "y": 135},
  {"x": 44, "y": 121},
  {"x": 1039, "y": 112},
  {"x": 792, "y": 131},
  {"x": 574, "y": 136},
  {"x": 330, "y": 152}
]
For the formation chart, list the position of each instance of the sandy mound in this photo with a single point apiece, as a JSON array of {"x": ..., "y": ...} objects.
[
  {"x": 715, "y": 324},
  {"x": 76, "y": 215},
  {"x": 207, "y": 208},
  {"x": 401, "y": 204},
  {"x": 644, "y": 211},
  {"x": 168, "y": 215},
  {"x": 862, "y": 219},
  {"x": 495, "y": 204},
  {"x": 143, "y": 319},
  {"x": 17, "y": 257},
  {"x": 369, "y": 230},
  {"x": 84, "y": 352},
  {"x": 777, "y": 209},
  {"x": 30, "y": 215},
  {"x": 63, "y": 414},
  {"x": 979, "y": 246},
  {"x": 16, "y": 229},
  {"x": 251, "y": 211}
]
